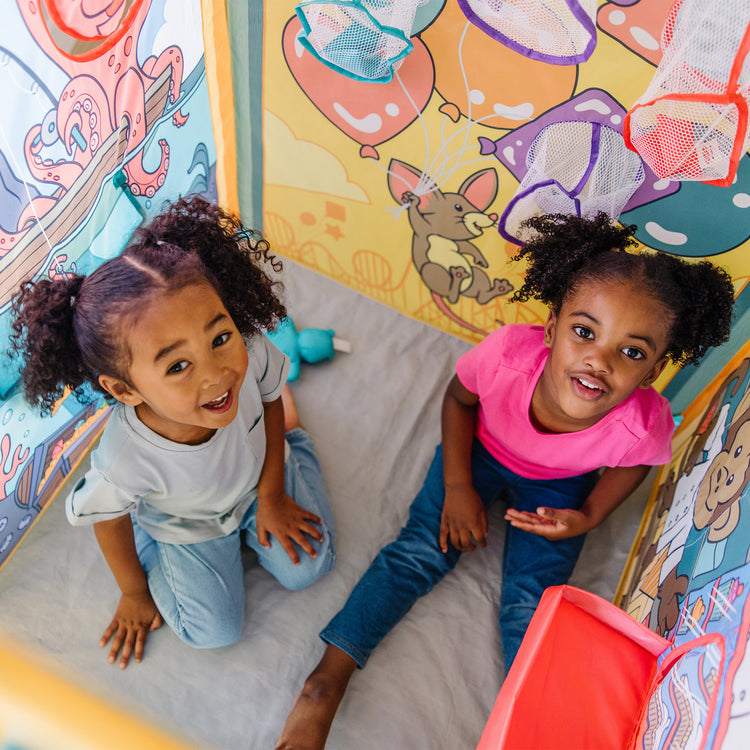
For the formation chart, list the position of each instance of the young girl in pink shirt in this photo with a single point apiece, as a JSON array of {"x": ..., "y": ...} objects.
[{"x": 561, "y": 421}]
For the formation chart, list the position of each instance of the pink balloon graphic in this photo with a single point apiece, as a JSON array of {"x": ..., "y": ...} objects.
[
  {"x": 638, "y": 26},
  {"x": 369, "y": 113}
]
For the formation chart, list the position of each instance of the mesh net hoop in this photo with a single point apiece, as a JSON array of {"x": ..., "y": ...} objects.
[
  {"x": 691, "y": 123},
  {"x": 362, "y": 39},
  {"x": 561, "y": 32},
  {"x": 576, "y": 168}
]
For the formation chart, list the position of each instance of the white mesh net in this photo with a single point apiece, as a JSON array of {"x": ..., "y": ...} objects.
[
  {"x": 691, "y": 122},
  {"x": 562, "y": 29},
  {"x": 574, "y": 168},
  {"x": 364, "y": 39}
]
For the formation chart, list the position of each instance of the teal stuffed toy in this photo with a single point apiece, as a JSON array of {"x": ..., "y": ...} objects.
[{"x": 309, "y": 345}]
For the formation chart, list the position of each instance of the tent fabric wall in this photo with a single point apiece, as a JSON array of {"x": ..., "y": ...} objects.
[
  {"x": 688, "y": 573},
  {"x": 461, "y": 102},
  {"x": 240, "y": 62},
  {"x": 320, "y": 155},
  {"x": 221, "y": 96}
]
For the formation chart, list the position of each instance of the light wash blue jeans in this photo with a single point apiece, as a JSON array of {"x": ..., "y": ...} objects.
[
  {"x": 198, "y": 588},
  {"x": 411, "y": 565}
]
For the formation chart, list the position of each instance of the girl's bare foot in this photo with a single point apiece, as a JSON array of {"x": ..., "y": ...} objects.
[
  {"x": 291, "y": 418},
  {"x": 309, "y": 722}
]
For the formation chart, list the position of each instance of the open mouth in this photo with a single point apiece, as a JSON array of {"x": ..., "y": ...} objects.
[
  {"x": 219, "y": 404},
  {"x": 587, "y": 388}
]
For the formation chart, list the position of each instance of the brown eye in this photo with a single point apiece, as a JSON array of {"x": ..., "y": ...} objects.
[
  {"x": 632, "y": 353},
  {"x": 177, "y": 367}
]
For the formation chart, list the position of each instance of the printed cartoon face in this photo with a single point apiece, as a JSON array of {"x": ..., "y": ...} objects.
[
  {"x": 607, "y": 340},
  {"x": 716, "y": 505},
  {"x": 188, "y": 364}
]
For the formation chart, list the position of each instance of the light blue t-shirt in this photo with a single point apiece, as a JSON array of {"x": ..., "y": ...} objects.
[{"x": 183, "y": 493}]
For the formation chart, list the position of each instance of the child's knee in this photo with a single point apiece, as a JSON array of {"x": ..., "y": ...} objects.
[
  {"x": 210, "y": 634},
  {"x": 310, "y": 569},
  {"x": 210, "y": 625}
]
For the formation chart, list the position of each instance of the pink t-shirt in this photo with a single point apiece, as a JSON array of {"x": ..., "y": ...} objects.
[{"x": 503, "y": 371}]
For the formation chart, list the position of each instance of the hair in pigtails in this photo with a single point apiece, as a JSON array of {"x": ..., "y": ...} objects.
[
  {"x": 69, "y": 331},
  {"x": 560, "y": 247},
  {"x": 566, "y": 252},
  {"x": 245, "y": 288},
  {"x": 230, "y": 254},
  {"x": 43, "y": 335},
  {"x": 705, "y": 320}
]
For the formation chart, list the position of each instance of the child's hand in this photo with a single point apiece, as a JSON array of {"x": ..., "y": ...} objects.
[
  {"x": 135, "y": 618},
  {"x": 285, "y": 520},
  {"x": 463, "y": 518},
  {"x": 552, "y": 523}
]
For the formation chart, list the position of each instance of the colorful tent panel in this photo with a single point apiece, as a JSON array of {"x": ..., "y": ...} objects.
[{"x": 460, "y": 104}]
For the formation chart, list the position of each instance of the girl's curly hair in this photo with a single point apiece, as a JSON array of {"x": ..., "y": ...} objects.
[
  {"x": 69, "y": 331},
  {"x": 566, "y": 252}
]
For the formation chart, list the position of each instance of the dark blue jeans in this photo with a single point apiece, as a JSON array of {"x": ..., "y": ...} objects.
[{"x": 411, "y": 565}]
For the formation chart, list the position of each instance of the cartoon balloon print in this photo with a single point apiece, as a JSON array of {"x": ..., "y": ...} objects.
[
  {"x": 369, "y": 113},
  {"x": 638, "y": 27},
  {"x": 426, "y": 14},
  {"x": 685, "y": 222},
  {"x": 472, "y": 75}
]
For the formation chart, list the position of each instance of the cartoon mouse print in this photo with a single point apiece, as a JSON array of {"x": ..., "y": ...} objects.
[{"x": 443, "y": 225}]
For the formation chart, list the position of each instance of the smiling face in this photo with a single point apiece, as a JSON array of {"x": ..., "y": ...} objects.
[
  {"x": 188, "y": 364},
  {"x": 607, "y": 340}
]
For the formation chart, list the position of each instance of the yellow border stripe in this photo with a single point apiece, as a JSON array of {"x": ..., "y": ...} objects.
[
  {"x": 41, "y": 709},
  {"x": 221, "y": 98}
]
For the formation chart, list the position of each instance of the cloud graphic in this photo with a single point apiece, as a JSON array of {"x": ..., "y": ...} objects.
[{"x": 304, "y": 165}]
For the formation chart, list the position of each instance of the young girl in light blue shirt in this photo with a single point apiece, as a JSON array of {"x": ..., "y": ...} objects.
[{"x": 203, "y": 445}]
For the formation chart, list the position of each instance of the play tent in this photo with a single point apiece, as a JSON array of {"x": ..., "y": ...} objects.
[{"x": 114, "y": 108}]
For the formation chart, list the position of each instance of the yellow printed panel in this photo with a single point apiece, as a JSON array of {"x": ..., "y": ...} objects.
[{"x": 370, "y": 182}]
